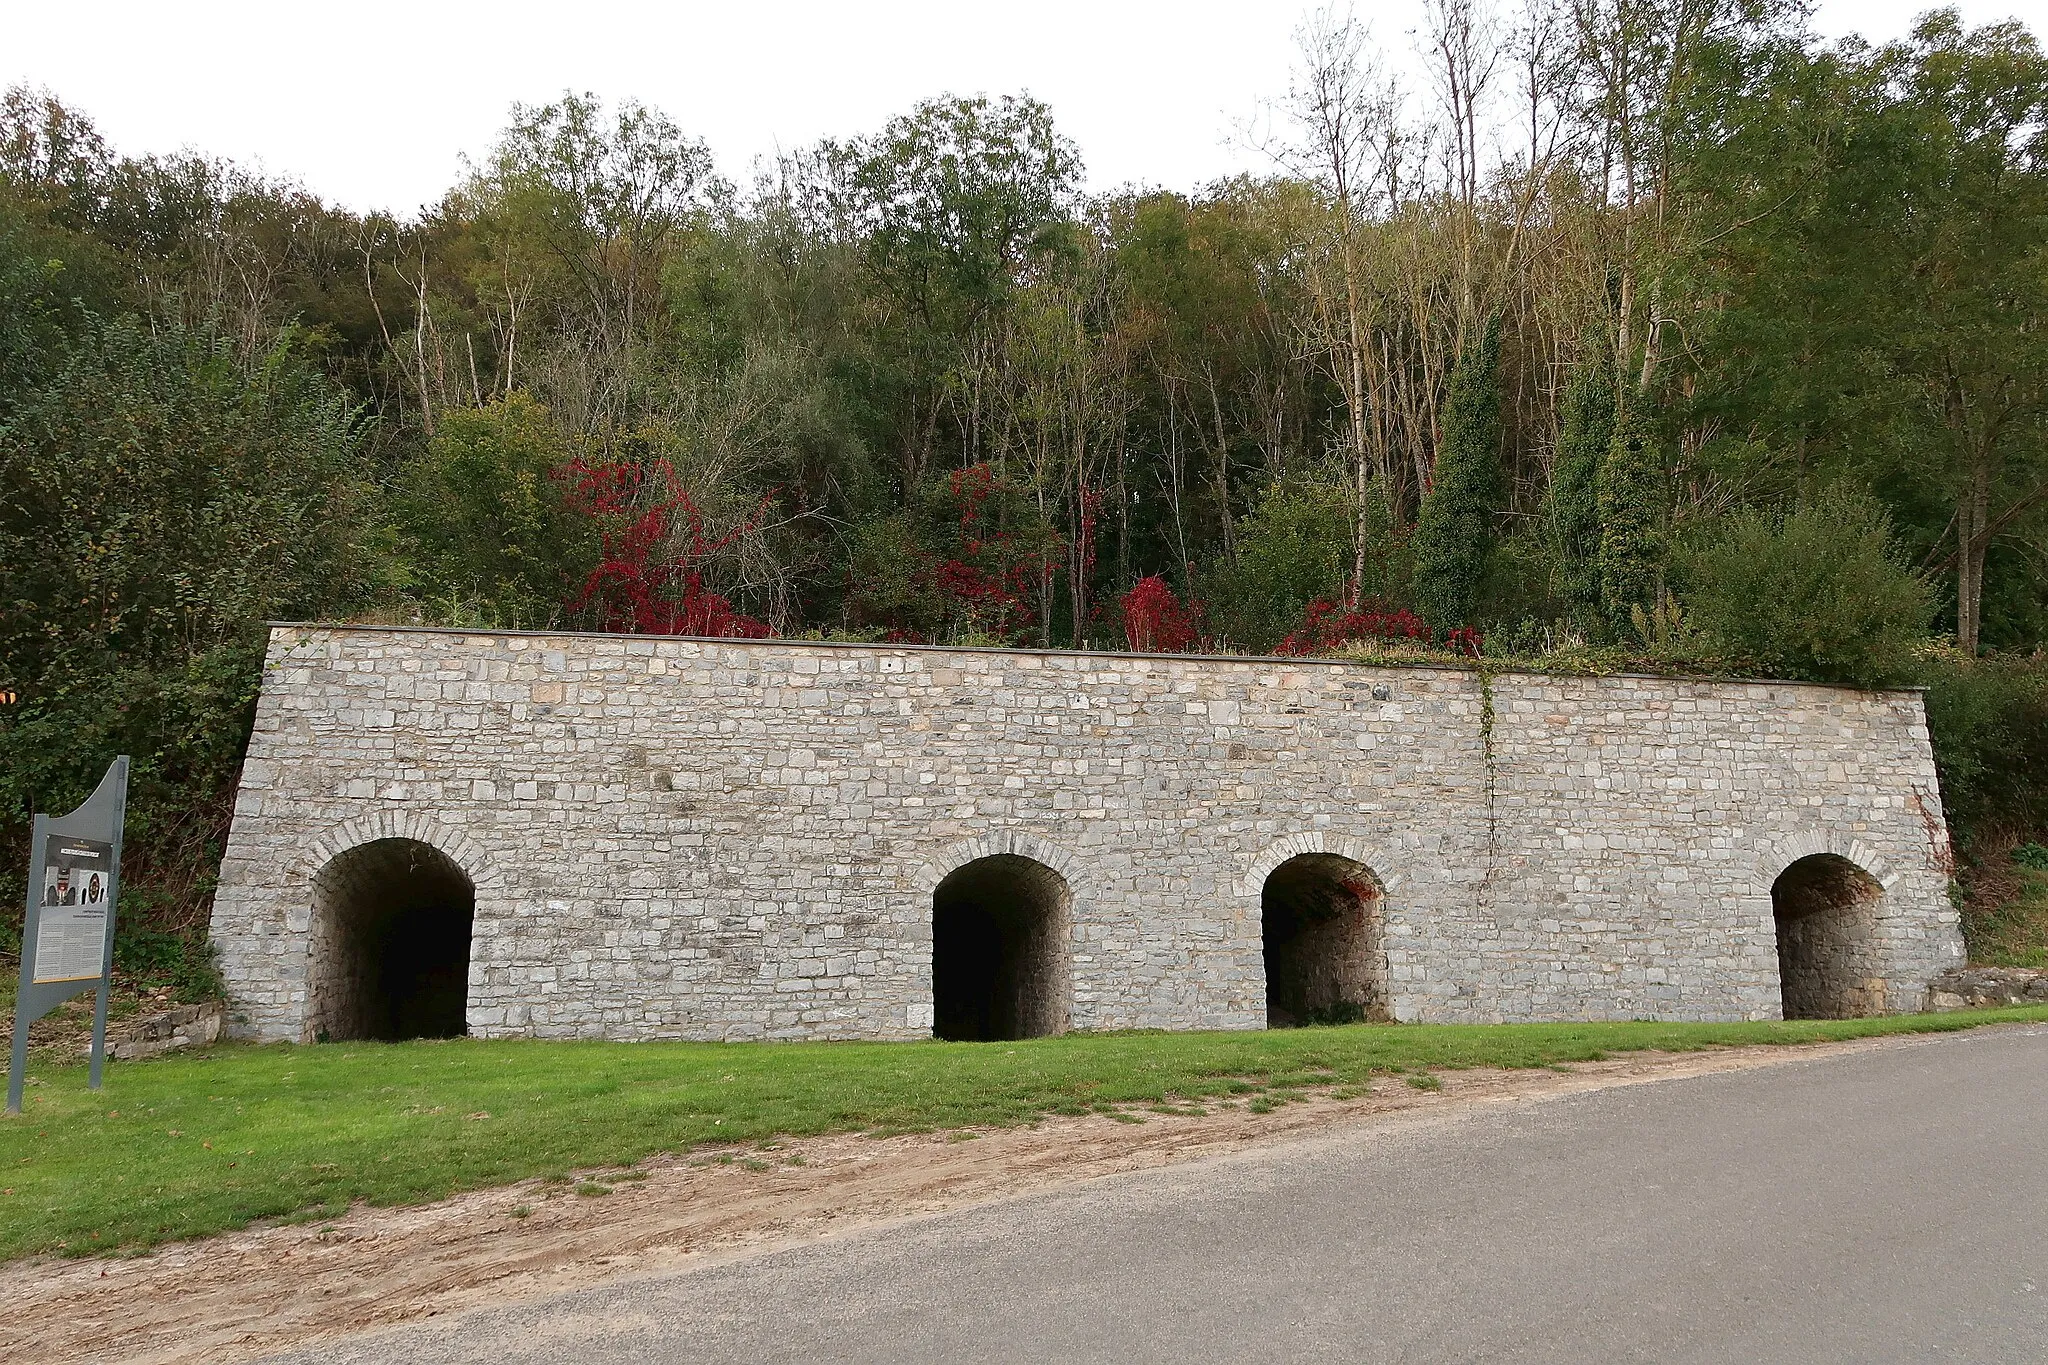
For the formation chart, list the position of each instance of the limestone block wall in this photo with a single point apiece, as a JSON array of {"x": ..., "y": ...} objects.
[{"x": 741, "y": 839}]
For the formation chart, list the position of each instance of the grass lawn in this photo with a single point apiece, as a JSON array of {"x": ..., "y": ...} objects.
[{"x": 188, "y": 1145}]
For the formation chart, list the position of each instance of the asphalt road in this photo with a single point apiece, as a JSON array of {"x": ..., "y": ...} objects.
[{"x": 1882, "y": 1206}]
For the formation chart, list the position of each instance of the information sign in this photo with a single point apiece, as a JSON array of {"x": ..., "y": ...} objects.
[{"x": 67, "y": 941}]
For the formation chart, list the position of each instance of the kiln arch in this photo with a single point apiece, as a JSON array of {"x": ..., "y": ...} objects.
[
  {"x": 1825, "y": 908},
  {"x": 1001, "y": 928},
  {"x": 388, "y": 947},
  {"x": 1322, "y": 931}
]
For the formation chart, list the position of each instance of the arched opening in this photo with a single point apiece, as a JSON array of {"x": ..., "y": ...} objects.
[
  {"x": 1324, "y": 921},
  {"x": 999, "y": 950},
  {"x": 390, "y": 944},
  {"x": 1826, "y": 909}
]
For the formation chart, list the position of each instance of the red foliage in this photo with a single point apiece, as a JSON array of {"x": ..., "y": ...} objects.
[
  {"x": 994, "y": 575},
  {"x": 1155, "y": 622},
  {"x": 1361, "y": 888},
  {"x": 644, "y": 585},
  {"x": 1329, "y": 626},
  {"x": 1465, "y": 640}
]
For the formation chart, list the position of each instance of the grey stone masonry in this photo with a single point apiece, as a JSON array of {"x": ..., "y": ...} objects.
[
  {"x": 1987, "y": 988},
  {"x": 724, "y": 839}
]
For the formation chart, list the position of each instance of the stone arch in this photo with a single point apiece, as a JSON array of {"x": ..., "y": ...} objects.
[
  {"x": 399, "y": 824},
  {"x": 1388, "y": 877},
  {"x": 392, "y": 913},
  {"x": 1825, "y": 907},
  {"x": 1002, "y": 912},
  {"x": 956, "y": 856},
  {"x": 1813, "y": 841}
]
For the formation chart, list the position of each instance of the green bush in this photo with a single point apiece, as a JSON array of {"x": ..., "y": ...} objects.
[
  {"x": 1294, "y": 547},
  {"x": 1815, "y": 593},
  {"x": 156, "y": 957},
  {"x": 161, "y": 496},
  {"x": 1989, "y": 719},
  {"x": 486, "y": 512}
]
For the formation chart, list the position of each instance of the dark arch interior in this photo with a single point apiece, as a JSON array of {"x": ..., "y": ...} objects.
[
  {"x": 1826, "y": 909},
  {"x": 1324, "y": 927},
  {"x": 999, "y": 960},
  {"x": 391, "y": 944}
]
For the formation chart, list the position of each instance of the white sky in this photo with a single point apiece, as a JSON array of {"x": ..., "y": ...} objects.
[{"x": 373, "y": 104}]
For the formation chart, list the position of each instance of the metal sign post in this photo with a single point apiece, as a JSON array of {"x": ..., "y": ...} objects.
[{"x": 67, "y": 941}]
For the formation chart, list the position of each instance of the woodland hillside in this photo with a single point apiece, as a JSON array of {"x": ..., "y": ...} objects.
[{"x": 1647, "y": 334}]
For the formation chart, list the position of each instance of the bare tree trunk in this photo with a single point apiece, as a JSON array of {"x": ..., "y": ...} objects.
[
  {"x": 1354, "y": 397},
  {"x": 1175, "y": 477},
  {"x": 1973, "y": 542}
]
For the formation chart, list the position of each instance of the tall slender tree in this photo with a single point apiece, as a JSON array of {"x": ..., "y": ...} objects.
[
  {"x": 1572, "y": 506},
  {"x": 1454, "y": 537},
  {"x": 1632, "y": 545}
]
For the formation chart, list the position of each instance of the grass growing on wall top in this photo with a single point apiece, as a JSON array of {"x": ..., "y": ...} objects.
[{"x": 189, "y": 1145}]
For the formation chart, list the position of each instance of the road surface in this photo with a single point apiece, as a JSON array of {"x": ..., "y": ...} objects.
[{"x": 1889, "y": 1205}]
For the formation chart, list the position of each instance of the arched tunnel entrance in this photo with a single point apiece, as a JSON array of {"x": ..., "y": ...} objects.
[
  {"x": 390, "y": 944},
  {"x": 1324, "y": 925},
  {"x": 1000, "y": 927},
  {"x": 1826, "y": 912}
]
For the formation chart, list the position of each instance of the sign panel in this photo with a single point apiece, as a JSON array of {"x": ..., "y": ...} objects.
[
  {"x": 77, "y": 909},
  {"x": 67, "y": 941}
]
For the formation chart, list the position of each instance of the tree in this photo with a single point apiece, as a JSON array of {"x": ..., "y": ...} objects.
[
  {"x": 947, "y": 205},
  {"x": 1870, "y": 225},
  {"x": 492, "y": 531},
  {"x": 1631, "y": 498},
  {"x": 593, "y": 209},
  {"x": 1572, "y": 506},
  {"x": 1352, "y": 146},
  {"x": 1455, "y": 535}
]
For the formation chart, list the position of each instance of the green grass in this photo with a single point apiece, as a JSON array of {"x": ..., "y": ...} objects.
[{"x": 189, "y": 1145}]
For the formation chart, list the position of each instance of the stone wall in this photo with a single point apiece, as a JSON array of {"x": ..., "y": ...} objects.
[
  {"x": 164, "y": 1030},
  {"x": 1987, "y": 988},
  {"x": 741, "y": 839}
]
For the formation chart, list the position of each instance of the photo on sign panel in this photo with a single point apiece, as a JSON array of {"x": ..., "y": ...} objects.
[{"x": 75, "y": 871}]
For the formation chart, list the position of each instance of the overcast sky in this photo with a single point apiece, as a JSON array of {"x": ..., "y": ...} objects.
[{"x": 374, "y": 104}]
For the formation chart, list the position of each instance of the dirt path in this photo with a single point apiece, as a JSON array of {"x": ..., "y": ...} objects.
[{"x": 243, "y": 1295}]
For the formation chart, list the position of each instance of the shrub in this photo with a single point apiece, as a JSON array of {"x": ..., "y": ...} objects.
[
  {"x": 1155, "y": 622},
  {"x": 1815, "y": 593},
  {"x": 1293, "y": 548},
  {"x": 1329, "y": 627},
  {"x": 970, "y": 562},
  {"x": 488, "y": 519},
  {"x": 649, "y": 579},
  {"x": 161, "y": 496}
]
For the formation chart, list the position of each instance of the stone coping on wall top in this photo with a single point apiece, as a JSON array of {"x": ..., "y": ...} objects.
[{"x": 1447, "y": 666}]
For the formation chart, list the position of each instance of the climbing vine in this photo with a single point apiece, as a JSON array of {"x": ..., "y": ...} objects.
[{"x": 1489, "y": 760}]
